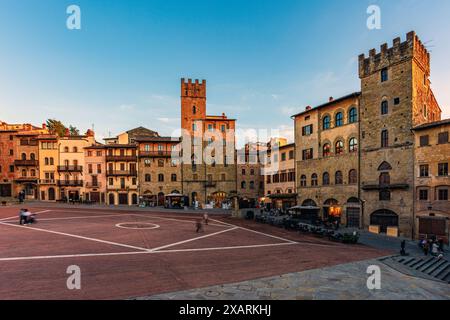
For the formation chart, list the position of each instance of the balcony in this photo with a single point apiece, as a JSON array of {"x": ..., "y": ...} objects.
[
  {"x": 122, "y": 188},
  {"x": 47, "y": 181},
  {"x": 70, "y": 168},
  {"x": 93, "y": 184},
  {"x": 121, "y": 158},
  {"x": 123, "y": 173},
  {"x": 26, "y": 180},
  {"x": 70, "y": 183},
  {"x": 210, "y": 184},
  {"x": 155, "y": 154},
  {"x": 26, "y": 163}
]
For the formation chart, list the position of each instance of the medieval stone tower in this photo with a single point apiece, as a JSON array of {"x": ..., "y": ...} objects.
[
  {"x": 193, "y": 103},
  {"x": 211, "y": 181},
  {"x": 395, "y": 97}
]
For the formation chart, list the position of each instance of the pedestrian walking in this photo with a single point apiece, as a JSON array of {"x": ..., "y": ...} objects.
[
  {"x": 205, "y": 218},
  {"x": 199, "y": 226},
  {"x": 426, "y": 248}
]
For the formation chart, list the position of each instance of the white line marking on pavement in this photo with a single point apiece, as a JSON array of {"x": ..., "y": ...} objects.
[
  {"x": 76, "y": 236},
  {"x": 173, "y": 219},
  {"x": 87, "y": 255},
  {"x": 88, "y": 217},
  {"x": 75, "y": 256},
  {"x": 17, "y": 216},
  {"x": 227, "y": 248},
  {"x": 193, "y": 239}
]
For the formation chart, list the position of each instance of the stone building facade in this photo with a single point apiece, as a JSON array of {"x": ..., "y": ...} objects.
[
  {"x": 95, "y": 173},
  {"x": 48, "y": 168},
  {"x": 395, "y": 97},
  {"x": 279, "y": 175},
  {"x": 159, "y": 168},
  {"x": 432, "y": 179},
  {"x": 209, "y": 151},
  {"x": 327, "y": 158},
  {"x": 250, "y": 181},
  {"x": 71, "y": 165}
]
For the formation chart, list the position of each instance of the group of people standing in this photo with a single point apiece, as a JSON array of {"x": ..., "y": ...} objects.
[{"x": 433, "y": 247}]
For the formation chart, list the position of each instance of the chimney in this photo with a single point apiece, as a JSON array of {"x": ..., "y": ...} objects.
[
  {"x": 44, "y": 126},
  {"x": 67, "y": 133},
  {"x": 330, "y": 99},
  {"x": 223, "y": 115},
  {"x": 308, "y": 108}
]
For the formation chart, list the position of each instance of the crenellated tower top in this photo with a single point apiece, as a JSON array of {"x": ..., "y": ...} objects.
[{"x": 412, "y": 48}]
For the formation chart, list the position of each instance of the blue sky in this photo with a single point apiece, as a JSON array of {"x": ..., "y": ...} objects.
[{"x": 264, "y": 60}]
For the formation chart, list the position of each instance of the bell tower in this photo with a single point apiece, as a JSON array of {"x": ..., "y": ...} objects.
[{"x": 193, "y": 103}]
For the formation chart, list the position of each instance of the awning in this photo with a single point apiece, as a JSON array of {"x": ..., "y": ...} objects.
[{"x": 282, "y": 196}]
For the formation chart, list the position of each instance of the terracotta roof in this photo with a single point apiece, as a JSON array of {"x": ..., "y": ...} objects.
[
  {"x": 329, "y": 103},
  {"x": 157, "y": 139}
]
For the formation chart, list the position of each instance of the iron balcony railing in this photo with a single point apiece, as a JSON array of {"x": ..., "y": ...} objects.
[
  {"x": 70, "y": 183},
  {"x": 93, "y": 184},
  {"x": 121, "y": 158},
  {"x": 26, "y": 163},
  {"x": 74, "y": 168},
  {"x": 132, "y": 173}
]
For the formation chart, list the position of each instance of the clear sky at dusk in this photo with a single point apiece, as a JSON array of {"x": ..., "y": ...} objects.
[{"x": 264, "y": 60}]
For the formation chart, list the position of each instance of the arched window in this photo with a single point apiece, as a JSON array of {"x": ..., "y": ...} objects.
[
  {"x": 353, "y": 145},
  {"x": 252, "y": 185},
  {"x": 326, "y": 123},
  {"x": 385, "y": 166},
  {"x": 52, "y": 161},
  {"x": 326, "y": 150},
  {"x": 194, "y": 109},
  {"x": 384, "y": 139},
  {"x": 75, "y": 149},
  {"x": 339, "y": 119},
  {"x": 326, "y": 179},
  {"x": 243, "y": 185},
  {"x": 338, "y": 179},
  {"x": 173, "y": 177},
  {"x": 147, "y": 162},
  {"x": 32, "y": 156},
  {"x": 352, "y": 177},
  {"x": 353, "y": 115},
  {"x": 314, "y": 181},
  {"x": 46, "y": 161},
  {"x": 33, "y": 173},
  {"x": 384, "y": 107},
  {"x": 303, "y": 181},
  {"x": 385, "y": 179},
  {"x": 339, "y": 148},
  {"x": 66, "y": 149},
  {"x": 148, "y": 178},
  {"x": 24, "y": 156},
  {"x": 24, "y": 173}
]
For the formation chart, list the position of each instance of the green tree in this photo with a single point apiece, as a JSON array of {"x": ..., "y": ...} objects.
[
  {"x": 73, "y": 131},
  {"x": 57, "y": 127},
  {"x": 60, "y": 129}
]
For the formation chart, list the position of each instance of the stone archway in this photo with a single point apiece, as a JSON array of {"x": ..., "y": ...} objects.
[
  {"x": 111, "y": 199},
  {"x": 51, "y": 194}
]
